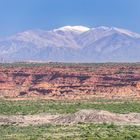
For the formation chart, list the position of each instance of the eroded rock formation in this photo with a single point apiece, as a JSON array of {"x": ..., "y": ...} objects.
[{"x": 71, "y": 81}]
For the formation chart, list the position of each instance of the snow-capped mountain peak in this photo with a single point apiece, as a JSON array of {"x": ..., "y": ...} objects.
[
  {"x": 73, "y": 28},
  {"x": 72, "y": 44}
]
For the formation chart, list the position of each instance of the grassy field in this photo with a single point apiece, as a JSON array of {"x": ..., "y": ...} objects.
[
  {"x": 41, "y": 106},
  {"x": 79, "y": 131},
  {"x": 70, "y": 132},
  {"x": 59, "y": 64}
]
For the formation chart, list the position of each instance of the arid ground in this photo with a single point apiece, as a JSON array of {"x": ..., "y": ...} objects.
[{"x": 56, "y": 101}]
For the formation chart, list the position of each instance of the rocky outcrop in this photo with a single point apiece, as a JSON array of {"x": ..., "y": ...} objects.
[{"x": 59, "y": 81}]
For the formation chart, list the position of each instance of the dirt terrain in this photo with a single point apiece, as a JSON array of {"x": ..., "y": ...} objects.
[
  {"x": 70, "y": 81},
  {"x": 82, "y": 116},
  {"x": 100, "y": 116}
]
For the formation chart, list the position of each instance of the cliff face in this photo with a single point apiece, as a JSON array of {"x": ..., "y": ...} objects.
[{"x": 71, "y": 82}]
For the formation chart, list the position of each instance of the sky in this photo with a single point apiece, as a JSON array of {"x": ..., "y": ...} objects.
[{"x": 20, "y": 15}]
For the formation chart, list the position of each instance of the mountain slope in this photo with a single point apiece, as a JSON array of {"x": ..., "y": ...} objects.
[{"x": 72, "y": 44}]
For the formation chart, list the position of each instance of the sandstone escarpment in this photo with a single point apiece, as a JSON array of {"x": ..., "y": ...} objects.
[{"x": 71, "y": 81}]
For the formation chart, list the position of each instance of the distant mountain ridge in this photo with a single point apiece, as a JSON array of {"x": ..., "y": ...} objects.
[{"x": 72, "y": 44}]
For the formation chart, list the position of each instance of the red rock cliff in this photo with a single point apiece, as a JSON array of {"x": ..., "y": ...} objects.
[{"x": 71, "y": 81}]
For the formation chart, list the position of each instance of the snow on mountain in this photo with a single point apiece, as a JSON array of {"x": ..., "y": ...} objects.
[
  {"x": 95, "y": 34},
  {"x": 72, "y": 44},
  {"x": 73, "y": 28},
  {"x": 127, "y": 32}
]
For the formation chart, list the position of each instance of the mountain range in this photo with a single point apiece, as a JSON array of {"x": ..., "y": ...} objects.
[{"x": 72, "y": 44}]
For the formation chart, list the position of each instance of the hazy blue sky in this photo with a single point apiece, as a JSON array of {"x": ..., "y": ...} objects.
[{"x": 20, "y": 15}]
